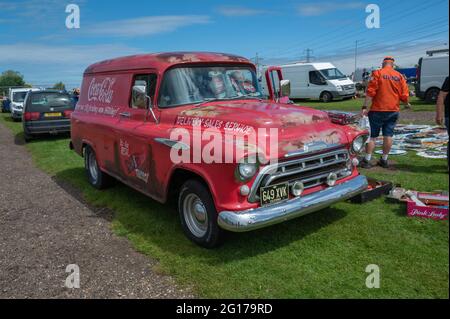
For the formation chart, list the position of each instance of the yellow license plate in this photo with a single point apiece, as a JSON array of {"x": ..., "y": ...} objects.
[{"x": 54, "y": 114}]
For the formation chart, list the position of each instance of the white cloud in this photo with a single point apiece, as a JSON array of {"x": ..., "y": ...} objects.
[
  {"x": 59, "y": 54},
  {"x": 321, "y": 8},
  {"x": 34, "y": 11},
  {"x": 239, "y": 11},
  {"x": 144, "y": 26},
  {"x": 43, "y": 65}
]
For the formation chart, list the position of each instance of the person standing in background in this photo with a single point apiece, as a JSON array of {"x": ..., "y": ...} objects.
[
  {"x": 385, "y": 90},
  {"x": 442, "y": 116}
]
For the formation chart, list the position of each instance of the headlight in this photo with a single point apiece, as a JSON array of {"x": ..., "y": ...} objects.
[
  {"x": 247, "y": 170},
  {"x": 339, "y": 88},
  {"x": 358, "y": 144}
]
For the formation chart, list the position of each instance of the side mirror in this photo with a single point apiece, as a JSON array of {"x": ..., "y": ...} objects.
[
  {"x": 285, "y": 86},
  {"x": 140, "y": 89}
]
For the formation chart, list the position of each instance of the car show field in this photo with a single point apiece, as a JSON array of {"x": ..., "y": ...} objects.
[{"x": 323, "y": 255}]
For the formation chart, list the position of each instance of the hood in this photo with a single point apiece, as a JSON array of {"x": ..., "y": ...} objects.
[
  {"x": 295, "y": 126},
  {"x": 344, "y": 81},
  {"x": 17, "y": 104}
]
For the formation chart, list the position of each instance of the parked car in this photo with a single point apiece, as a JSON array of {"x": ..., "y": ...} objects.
[
  {"x": 131, "y": 111},
  {"x": 46, "y": 112},
  {"x": 431, "y": 74},
  {"x": 17, "y": 97},
  {"x": 6, "y": 103},
  {"x": 318, "y": 81}
]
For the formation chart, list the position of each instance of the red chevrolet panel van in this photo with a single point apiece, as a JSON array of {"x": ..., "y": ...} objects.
[{"x": 195, "y": 128}]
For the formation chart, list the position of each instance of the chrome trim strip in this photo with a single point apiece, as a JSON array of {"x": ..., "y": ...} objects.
[
  {"x": 242, "y": 221},
  {"x": 311, "y": 148},
  {"x": 172, "y": 144}
]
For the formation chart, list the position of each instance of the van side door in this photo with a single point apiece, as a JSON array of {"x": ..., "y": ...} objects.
[
  {"x": 133, "y": 134},
  {"x": 316, "y": 85}
]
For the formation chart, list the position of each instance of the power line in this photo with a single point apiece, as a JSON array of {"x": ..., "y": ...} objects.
[
  {"x": 308, "y": 55},
  {"x": 390, "y": 18}
]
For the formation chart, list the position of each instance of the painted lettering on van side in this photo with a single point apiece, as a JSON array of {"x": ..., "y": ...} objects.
[
  {"x": 102, "y": 90},
  {"x": 88, "y": 108}
]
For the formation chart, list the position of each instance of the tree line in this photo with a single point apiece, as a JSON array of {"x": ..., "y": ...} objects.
[{"x": 11, "y": 79}]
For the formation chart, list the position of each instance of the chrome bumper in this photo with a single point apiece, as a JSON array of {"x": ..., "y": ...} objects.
[{"x": 241, "y": 221}]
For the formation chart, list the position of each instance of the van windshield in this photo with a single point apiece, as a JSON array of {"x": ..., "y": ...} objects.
[
  {"x": 19, "y": 96},
  {"x": 188, "y": 85},
  {"x": 332, "y": 74}
]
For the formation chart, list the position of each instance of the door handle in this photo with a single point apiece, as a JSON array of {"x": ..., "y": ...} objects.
[{"x": 125, "y": 114}]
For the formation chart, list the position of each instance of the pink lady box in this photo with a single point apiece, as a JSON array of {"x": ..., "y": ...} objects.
[{"x": 428, "y": 211}]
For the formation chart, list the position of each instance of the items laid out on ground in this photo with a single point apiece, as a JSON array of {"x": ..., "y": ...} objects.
[
  {"x": 342, "y": 117},
  {"x": 374, "y": 190},
  {"x": 426, "y": 140},
  {"x": 394, "y": 151},
  {"x": 422, "y": 204}
]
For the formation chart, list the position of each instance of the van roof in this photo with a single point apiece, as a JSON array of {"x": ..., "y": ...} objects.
[
  {"x": 433, "y": 57},
  {"x": 23, "y": 89},
  {"x": 317, "y": 65},
  {"x": 162, "y": 61}
]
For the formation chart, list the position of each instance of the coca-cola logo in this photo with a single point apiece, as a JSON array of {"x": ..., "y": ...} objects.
[{"x": 101, "y": 91}]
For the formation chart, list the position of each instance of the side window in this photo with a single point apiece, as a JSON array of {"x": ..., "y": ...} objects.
[
  {"x": 139, "y": 101},
  {"x": 315, "y": 78}
]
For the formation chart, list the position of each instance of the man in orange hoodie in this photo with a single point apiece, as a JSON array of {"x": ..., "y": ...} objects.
[{"x": 385, "y": 90}]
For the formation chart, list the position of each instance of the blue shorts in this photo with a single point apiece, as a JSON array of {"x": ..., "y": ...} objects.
[{"x": 385, "y": 121}]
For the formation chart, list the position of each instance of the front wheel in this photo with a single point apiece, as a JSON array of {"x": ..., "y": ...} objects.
[
  {"x": 96, "y": 177},
  {"x": 198, "y": 215},
  {"x": 326, "y": 97}
]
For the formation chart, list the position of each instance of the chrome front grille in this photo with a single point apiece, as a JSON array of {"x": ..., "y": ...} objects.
[{"x": 311, "y": 171}]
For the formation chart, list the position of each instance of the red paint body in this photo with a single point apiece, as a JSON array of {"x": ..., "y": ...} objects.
[{"x": 126, "y": 145}]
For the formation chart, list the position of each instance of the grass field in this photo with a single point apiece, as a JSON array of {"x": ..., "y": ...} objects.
[{"x": 321, "y": 255}]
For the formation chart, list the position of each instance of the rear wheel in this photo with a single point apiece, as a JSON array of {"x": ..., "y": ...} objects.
[
  {"x": 326, "y": 97},
  {"x": 198, "y": 215},
  {"x": 96, "y": 177},
  {"x": 431, "y": 95}
]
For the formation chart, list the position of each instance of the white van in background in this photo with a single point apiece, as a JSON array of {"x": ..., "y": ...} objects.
[
  {"x": 318, "y": 81},
  {"x": 17, "y": 97},
  {"x": 431, "y": 74}
]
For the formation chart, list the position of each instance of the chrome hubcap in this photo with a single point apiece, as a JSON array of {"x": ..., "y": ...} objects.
[
  {"x": 195, "y": 215},
  {"x": 93, "y": 168}
]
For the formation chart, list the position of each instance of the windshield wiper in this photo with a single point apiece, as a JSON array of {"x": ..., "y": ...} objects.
[
  {"x": 206, "y": 100},
  {"x": 213, "y": 99},
  {"x": 245, "y": 96}
]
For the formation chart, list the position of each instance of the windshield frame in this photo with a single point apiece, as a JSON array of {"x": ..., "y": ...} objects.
[
  {"x": 332, "y": 78},
  {"x": 236, "y": 65}
]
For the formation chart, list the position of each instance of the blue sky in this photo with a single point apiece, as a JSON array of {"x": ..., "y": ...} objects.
[{"x": 35, "y": 41}]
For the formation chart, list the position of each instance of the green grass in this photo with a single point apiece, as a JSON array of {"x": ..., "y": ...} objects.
[
  {"x": 356, "y": 104},
  {"x": 321, "y": 255}
]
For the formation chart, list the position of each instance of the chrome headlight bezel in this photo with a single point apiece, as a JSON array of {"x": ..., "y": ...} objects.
[
  {"x": 358, "y": 144},
  {"x": 247, "y": 169}
]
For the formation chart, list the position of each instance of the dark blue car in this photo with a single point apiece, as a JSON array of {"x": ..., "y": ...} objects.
[{"x": 6, "y": 105}]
